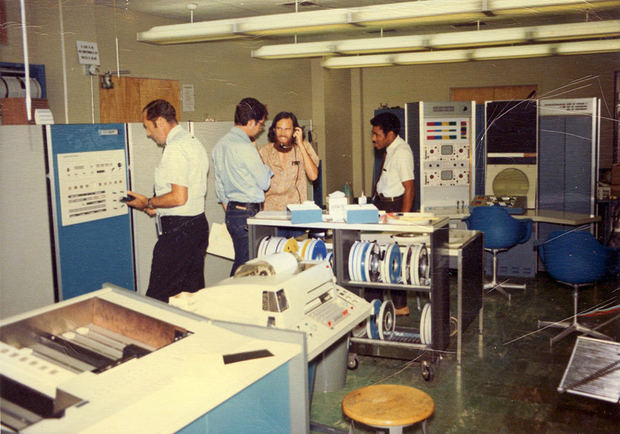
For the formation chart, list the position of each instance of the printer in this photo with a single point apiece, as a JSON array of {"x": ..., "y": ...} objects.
[{"x": 303, "y": 297}]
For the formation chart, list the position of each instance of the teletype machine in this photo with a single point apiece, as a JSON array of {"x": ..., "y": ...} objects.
[{"x": 277, "y": 291}]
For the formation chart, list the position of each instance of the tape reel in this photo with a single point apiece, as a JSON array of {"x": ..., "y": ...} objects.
[
  {"x": 391, "y": 264},
  {"x": 425, "y": 325},
  {"x": 372, "y": 329},
  {"x": 312, "y": 249},
  {"x": 387, "y": 320},
  {"x": 370, "y": 262},
  {"x": 382, "y": 321},
  {"x": 416, "y": 269},
  {"x": 309, "y": 249}
]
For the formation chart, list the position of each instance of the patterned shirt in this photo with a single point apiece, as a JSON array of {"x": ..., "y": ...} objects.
[{"x": 289, "y": 183}]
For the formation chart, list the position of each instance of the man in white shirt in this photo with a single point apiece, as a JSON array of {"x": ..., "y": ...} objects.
[
  {"x": 394, "y": 190},
  {"x": 178, "y": 204}
]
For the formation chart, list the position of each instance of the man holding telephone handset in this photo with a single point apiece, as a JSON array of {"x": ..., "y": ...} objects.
[{"x": 292, "y": 160}]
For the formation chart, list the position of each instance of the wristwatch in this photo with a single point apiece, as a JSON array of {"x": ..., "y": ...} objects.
[{"x": 148, "y": 204}]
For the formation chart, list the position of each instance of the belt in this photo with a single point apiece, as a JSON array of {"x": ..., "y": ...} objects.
[
  {"x": 382, "y": 198},
  {"x": 245, "y": 205},
  {"x": 172, "y": 223}
]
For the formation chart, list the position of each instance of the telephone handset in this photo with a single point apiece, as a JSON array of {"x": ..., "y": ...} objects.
[{"x": 302, "y": 135}]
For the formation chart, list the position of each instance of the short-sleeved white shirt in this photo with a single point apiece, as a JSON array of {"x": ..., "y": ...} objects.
[
  {"x": 183, "y": 162},
  {"x": 398, "y": 167}
]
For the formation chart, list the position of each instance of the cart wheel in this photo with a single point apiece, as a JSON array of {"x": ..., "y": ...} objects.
[
  {"x": 427, "y": 371},
  {"x": 352, "y": 361}
]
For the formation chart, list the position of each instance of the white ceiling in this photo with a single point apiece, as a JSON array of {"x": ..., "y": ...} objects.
[{"x": 207, "y": 10}]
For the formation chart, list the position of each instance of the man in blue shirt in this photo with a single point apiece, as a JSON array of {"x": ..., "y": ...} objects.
[{"x": 241, "y": 177}]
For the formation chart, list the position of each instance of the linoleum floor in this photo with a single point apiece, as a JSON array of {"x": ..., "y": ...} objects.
[{"x": 507, "y": 381}]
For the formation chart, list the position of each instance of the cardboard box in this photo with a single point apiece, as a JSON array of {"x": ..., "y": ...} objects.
[
  {"x": 307, "y": 212},
  {"x": 335, "y": 207},
  {"x": 361, "y": 214},
  {"x": 13, "y": 110}
]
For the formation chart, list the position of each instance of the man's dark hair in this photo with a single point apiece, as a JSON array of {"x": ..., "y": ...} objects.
[
  {"x": 282, "y": 115},
  {"x": 387, "y": 122},
  {"x": 249, "y": 109},
  {"x": 160, "y": 107}
]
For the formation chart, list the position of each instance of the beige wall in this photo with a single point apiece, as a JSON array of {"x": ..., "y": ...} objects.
[
  {"x": 340, "y": 103},
  {"x": 338, "y": 145},
  {"x": 222, "y": 72}
]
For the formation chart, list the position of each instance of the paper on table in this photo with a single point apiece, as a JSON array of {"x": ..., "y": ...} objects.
[{"x": 220, "y": 242}]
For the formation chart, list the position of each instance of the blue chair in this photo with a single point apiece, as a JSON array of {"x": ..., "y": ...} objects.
[
  {"x": 501, "y": 232},
  {"x": 576, "y": 259}
]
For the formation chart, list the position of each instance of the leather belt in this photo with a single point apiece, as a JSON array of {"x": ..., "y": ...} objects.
[
  {"x": 244, "y": 205},
  {"x": 390, "y": 199},
  {"x": 172, "y": 223}
]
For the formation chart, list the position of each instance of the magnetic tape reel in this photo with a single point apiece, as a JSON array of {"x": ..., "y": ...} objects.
[
  {"x": 387, "y": 320},
  {"x": 309, "y": 249},
  {"x": 392, "y": 263},
  {"x": 270, "y": 245},
  {"x": 425, "y": 325},
  {"x": 371, "y": 262},
  {"x": 372, "y": 328},
  {"x": 416, "y": 269},
  {"x": 382, "y": 321}
]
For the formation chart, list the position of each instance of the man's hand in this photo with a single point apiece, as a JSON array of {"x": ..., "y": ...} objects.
[
  {"x": 139, "y": 202},
  {"x": 297, "y": 136}
]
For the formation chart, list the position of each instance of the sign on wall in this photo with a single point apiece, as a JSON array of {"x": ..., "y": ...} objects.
[{"x": 88, "y": 53}]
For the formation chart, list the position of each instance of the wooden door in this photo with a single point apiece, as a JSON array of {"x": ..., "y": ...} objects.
[
  {"x": 128, "y": 96},
  {"x": 494, "y": 93}
]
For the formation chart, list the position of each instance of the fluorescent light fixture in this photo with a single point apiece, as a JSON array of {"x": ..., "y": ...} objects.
[
  {"x": 451, "y": 10},
  {"x": 190, "y": 32},
  {"x": 368, "y": 16},
  {"x": 487, "y": 53},
  {"x": 441, "y": 40}
]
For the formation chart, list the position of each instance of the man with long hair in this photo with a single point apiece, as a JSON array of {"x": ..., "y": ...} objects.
[{"x": 292, "y": 160}]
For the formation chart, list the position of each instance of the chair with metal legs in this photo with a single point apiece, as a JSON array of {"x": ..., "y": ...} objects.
[
  {"x": 576, "y": 259},
  {"x": 501, "y": 232}
]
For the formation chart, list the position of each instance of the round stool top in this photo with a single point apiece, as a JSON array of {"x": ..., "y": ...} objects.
[{"x": 385, "y": 405}]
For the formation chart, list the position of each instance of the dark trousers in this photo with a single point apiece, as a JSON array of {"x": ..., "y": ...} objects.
[
  {"x": 237, "y": 214},
  {"x": 179, "y": 257}
]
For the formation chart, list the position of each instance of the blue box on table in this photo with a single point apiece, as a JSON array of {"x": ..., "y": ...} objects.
[
  {"x": 367, "y": 213},
  {"x": 307, "y": 212}
]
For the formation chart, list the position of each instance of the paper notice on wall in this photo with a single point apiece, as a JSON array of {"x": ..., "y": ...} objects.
[
  {"x": 187, "y": 97},
  {"x": 88, "y": 53}
]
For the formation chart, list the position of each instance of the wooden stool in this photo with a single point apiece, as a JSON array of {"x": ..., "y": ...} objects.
[{"x": 390, "y": 406}]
